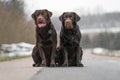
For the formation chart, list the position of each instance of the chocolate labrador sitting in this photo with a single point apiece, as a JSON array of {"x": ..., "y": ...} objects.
[
  {"x": 70, "y": 53},
  {"x": 46, "y": 39}
]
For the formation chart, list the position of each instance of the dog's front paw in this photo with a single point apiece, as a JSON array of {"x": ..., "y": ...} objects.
[
  {"x": 65, "y": 65},
  {"x": 52, "y": 65},
  {"x": 36, "y": 65},
  {"x": 80, "y": 65},
  {"x": 43, "y": 64}
]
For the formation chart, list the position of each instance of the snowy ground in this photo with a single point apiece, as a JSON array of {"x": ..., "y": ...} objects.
[
  {"x": 17, "y": 49},
  {"x": 25, "y": 49},
  {"x": 102, "y": 51},
  {"x": 101, "y": 30}
]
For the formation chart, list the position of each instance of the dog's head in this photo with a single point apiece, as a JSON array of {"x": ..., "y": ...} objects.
[
  {"x": 41, "y": 17},
  {"x": 69, "y": 19}
]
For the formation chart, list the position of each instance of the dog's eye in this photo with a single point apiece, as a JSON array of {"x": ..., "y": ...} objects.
[
  {"x": 71, "y": 18},
  {"x": 37, "y": 14},
  {"x": 41, "y": 13},
  {"x": 64, "y": 18}
]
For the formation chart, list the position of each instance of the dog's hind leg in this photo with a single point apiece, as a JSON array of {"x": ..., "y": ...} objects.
[{"x": 36, "y": 58}]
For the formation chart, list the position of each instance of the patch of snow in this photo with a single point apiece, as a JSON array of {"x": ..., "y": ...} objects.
[
  {"x": 25, "y": 45},
  {"x": 102, "y": 51},
  {"x": 98, "y": 50},
  {"x": 19, "y": 49},
  {"x": 101, "y": 30}
]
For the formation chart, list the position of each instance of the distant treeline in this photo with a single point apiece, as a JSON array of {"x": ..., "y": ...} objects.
[
  {"x": 15, "y": 28},
  {"x": 104, "y": 40},
  {"x": 105, "y": 20}
]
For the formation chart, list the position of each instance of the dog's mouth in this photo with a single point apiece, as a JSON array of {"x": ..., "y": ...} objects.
[
  {"x": 41, "y": 21},
  {"x": 68, "y": 23},
  {"x": 41, "y": 24}
]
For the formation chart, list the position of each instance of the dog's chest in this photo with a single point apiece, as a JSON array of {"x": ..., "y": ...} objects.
[
  {"x": 45, "y": 35},
  {"x": 69, "y": 35},
  {"x": 46, "y": 38},
  {"x": 69, "y": 39}
]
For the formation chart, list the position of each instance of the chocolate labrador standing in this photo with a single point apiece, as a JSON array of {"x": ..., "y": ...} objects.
[
  {"x": 70, "y": 37},
  {"x": 46, "y": 39}
]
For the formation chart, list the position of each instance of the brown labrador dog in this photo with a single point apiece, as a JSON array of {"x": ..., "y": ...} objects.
[
  {"x": 70, "y": 53},
  {"x": 46, "y": 39}
]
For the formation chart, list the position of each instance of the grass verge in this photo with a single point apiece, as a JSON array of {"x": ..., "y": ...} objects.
[{"x": 7, "y": 58}]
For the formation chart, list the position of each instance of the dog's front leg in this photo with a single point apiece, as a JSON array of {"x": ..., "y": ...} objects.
[
  {"x": 52, "y": 64},
  {"x": 79, "y": 56},
  {"x": 65, "y": 57},
  {"x": 42, "y": 55}
]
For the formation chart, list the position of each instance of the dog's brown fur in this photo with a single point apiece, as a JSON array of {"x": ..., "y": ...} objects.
[
  {"x": 46, "y": 39},
  {"x": 70, "y": 53}
]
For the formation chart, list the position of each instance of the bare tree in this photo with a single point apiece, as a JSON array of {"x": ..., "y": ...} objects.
[{"x": 13, "y": 25}]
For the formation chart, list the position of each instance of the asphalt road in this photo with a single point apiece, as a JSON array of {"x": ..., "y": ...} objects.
[
  {"x": 93, "y": 70},
  {"x": 96, "y": 68},
  {"x": 19, "y": 69}
]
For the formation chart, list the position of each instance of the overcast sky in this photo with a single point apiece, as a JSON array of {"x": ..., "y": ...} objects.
[{"x": 81, "y": 6}]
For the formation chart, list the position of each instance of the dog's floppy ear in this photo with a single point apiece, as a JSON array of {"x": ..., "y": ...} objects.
[
  {"x": 61, "y": 17},
  {"x": 77, "y": 17},
  {"x": 49, "y": 12},
  {"x": 33, "y": 14}
]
